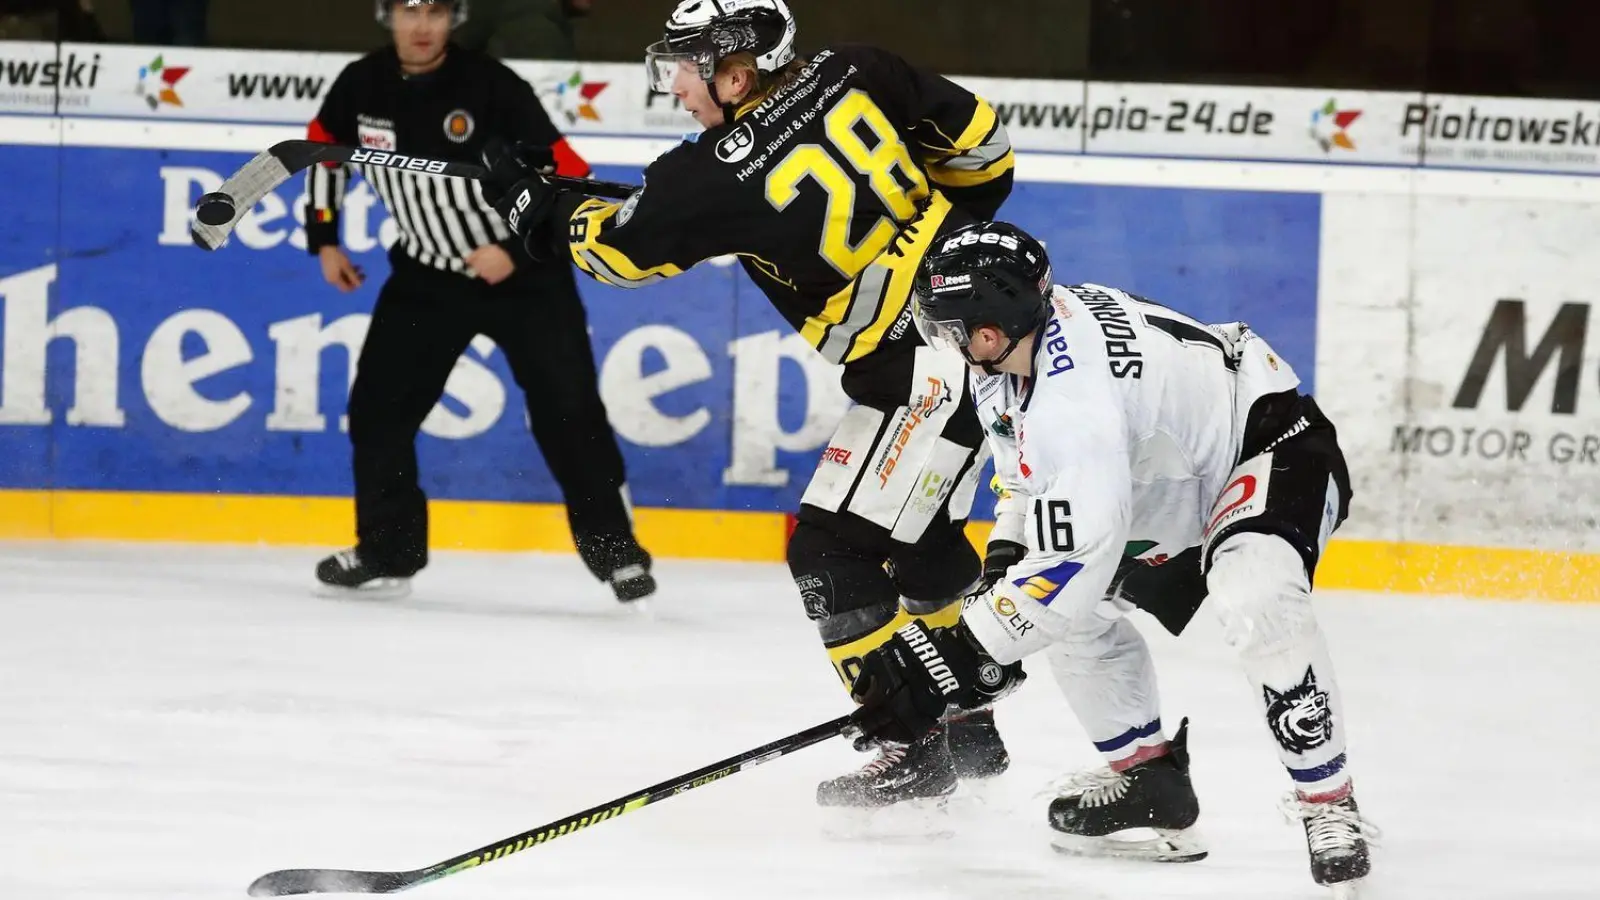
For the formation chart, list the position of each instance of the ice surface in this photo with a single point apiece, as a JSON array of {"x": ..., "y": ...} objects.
[{"x": 175, "y": 722}]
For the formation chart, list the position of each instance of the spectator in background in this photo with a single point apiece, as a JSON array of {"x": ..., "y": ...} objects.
[
  {"x": 49, "y": 20},
  {"x": 523, "y": 29},
  {"x": 177, "y": 23}
]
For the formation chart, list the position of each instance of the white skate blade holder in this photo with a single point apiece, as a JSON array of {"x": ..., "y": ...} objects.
[
  {"x": 909, "y": 821},
  {"x": 1349, "y": 890},
  {"x": 376, "y": 589},
  {"x": 1171, "y": 845}
]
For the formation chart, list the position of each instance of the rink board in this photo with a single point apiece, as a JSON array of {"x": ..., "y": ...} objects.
[{"x": 151, "y": 390}]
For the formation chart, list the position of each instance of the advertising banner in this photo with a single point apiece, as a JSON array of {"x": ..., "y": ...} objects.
[
  {"x": 1459, "y": 361},
  {"x": 1192, "y": 120},
  {"x": 1505, "y": 133},
  {"x": 134, "y": 361}
]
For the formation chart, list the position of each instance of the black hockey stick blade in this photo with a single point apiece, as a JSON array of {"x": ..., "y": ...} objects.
[
  {"x": 288, "y": 882},
  {"x": 218, "y": 212}
]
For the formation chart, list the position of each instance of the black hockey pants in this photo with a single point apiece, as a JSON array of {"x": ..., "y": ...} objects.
[{"x": 423, "y": 320}]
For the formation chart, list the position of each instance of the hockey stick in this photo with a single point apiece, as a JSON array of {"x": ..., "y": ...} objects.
[
  {"x": 220, "y": 210},
  {"x": 286, "y": 882}
]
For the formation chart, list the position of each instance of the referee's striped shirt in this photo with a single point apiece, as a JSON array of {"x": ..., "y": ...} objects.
[
  {"x": 448, "y": 113},
  {"x": 441, "y": 220}
]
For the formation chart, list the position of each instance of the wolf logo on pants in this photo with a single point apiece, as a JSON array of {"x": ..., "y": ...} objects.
[{"x": 1299, "y": 717}]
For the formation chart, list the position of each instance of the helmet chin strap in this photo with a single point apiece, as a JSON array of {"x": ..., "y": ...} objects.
[
  {"x": 988, "y": 365},
  {"x": 729, "y": 113}
]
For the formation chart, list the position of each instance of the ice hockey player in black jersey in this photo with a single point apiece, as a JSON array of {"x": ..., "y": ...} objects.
[{"x": 828, "y": 177}]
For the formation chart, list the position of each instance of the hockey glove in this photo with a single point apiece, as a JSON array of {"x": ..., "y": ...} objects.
[
  {"x": 906, "y": 684},
  {"x": 516, "y": 185},
  {"x": 1000, "y": 556}
]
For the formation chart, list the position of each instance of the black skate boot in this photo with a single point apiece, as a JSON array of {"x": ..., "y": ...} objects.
[
  {"x": 975, "y": 745},
  {"x": 900, "y": 794},
  {"x": 1336, "y": 838},
  {"x": 620, "y": 562},
  {"x": 632, "y": 580},
  {"x": 1094, "y": 808},
  {"x": 346, "y": 573},
  {"x": 913, "y": 772}
]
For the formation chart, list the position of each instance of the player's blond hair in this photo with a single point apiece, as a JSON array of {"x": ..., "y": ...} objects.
[{"x": 764, "y": 83}]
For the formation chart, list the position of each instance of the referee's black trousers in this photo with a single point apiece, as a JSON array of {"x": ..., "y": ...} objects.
[{"x": 423, "y": 320}]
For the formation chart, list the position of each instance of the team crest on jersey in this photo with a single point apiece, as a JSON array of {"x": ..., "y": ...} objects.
[
  {"x": 458, "y": 126},
  {"x": 1002, "y": 426},
  {"x": 737, "y": 144},
  {"x": 1299, "y": 717},
  {"x": 374, "y": 133}
]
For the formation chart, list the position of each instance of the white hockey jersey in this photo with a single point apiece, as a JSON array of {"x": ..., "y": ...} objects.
[{"x": 1120, "y": 443}]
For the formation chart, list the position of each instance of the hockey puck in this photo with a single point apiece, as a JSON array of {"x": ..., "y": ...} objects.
[{"x": 215, "y": 208}]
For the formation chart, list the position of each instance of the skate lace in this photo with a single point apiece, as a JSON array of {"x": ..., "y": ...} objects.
[
  {"x": 1092, "y": 787},
  {"x": 888, "y": 758},
  {"x": 348, "y": 559},
  {"x": 1330, "y": 827}
]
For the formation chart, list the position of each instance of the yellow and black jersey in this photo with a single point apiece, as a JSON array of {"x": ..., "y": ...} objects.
[{"x": 813, "y": 186}]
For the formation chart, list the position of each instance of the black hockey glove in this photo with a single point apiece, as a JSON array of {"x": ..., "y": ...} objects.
[
  {"x": 516, "y": 185},
  {"x": 1000, "y": 556},
  {"x": 905, "y": 685}
]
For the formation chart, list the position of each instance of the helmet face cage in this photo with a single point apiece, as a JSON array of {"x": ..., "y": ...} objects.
[
  {"x": 940, "y": 334},
  {"x": 383, "y": 10},
  {"x": 700, "y": 34},
  {"x": 664, "y": 59}
]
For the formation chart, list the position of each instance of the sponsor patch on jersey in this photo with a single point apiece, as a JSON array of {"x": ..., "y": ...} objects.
[
  {"x": 839, "y": 456},
  {"x": 1005, "y": 610},
  {"x": 458, "y": 126},
  {"x": 737, "y": 144},
  {"x": 1002, "y": 426},
  {"x": 1056, "y": 347},
  {"x": 375, "y": 133},
  {"x": 1045, "y": 586}
]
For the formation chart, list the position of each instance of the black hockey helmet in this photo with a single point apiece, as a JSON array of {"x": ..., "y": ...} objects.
[
  {"x": 703, "y": 33},
  {"x": 383, "y": 10},
  {"x": 990, "y": 273}
]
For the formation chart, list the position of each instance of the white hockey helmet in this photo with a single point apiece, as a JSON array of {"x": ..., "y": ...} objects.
[
  {"x": 703, "y": 33},
  {"x": 383, "y": 10}
]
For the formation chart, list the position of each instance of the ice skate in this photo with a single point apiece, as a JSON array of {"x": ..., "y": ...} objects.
[
  {"x": 900, "y": 794},
  {"x": 344, "y": 574},
  {"x": 619, "y": 561},
  {"x": 1145, "y": 812},
  {"x": 633, "y": 582},
  {"x": 1337, "y": 840},
  {"x": 975, "y": 745}
]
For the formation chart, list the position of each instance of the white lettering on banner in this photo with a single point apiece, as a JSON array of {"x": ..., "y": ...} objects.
[
  {"x": 297, "y": 396},
  {"x": 629, "y": 393},
  {"x": 169, "y": 378},
  {"x": 29, "y": 330},
  {"x": 474, "y": 386},
  {"x": 183, "y": 185},
  {"x": 758, "y": 435}
]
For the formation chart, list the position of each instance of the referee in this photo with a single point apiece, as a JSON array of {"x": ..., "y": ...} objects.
[{"x": 457, "y": 272}]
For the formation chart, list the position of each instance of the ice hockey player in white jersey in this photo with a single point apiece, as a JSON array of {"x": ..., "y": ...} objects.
[{"x": 1148, "y": 461}]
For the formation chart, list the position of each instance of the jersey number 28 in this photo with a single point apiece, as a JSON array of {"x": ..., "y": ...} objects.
[{"x": 885, "y": 165}]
